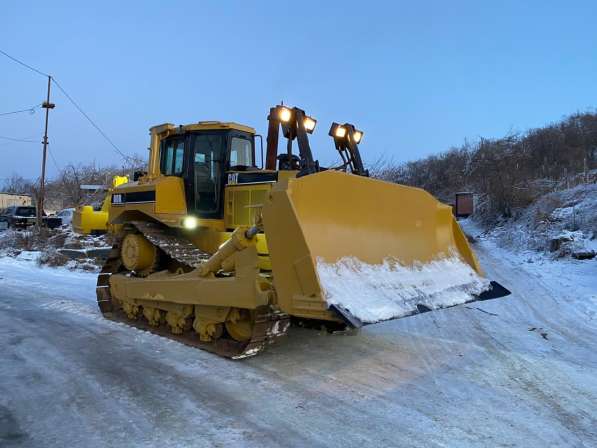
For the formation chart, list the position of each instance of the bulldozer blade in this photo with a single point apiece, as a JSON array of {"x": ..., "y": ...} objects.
[
  {"x": 370, "y": 250},
  {"x": 346, "y": 316},
  {"x": 496, "y": 291}
]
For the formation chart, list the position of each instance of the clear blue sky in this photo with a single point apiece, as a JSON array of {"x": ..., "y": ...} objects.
[{"x": 417, "y": 77}]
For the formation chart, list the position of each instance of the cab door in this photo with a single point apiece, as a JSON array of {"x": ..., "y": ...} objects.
[{"x": 208, "y": 159}]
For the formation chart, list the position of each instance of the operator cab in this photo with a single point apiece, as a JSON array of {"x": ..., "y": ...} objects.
[{"x": 204, "y": 157}]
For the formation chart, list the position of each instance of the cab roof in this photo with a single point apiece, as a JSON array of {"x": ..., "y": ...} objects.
[{"x": 202, "y": 126}]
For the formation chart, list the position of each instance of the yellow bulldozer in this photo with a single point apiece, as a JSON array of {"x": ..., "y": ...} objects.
[
  {"x": 218, "y": 253},
  {"x": 88, "y": 220}
]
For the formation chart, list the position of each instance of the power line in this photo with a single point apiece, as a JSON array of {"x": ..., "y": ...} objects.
[
  {"x": 53, "y": 160},
  {"x": 30, "y": 109},
  {"x": 24, "y": 65},
  {"x": 74, "y": 103},
  {"x": 20, "y": 140}
]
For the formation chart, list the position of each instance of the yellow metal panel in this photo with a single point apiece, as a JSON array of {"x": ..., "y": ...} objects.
[
  {"x": 87, "y": 220},
  {"x": 243, "y": 203},
  {"x": 210, "y": 125},
  {"x": 119, "y": 180},
  {"x": 342, "y": 214},
  {"x": 241, "y": 291},
  {"x": 241, "y": 212},
  {"x": 170, "y": 196}
]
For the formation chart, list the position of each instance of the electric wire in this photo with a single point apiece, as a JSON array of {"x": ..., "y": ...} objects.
[
  {"x": 73, "y": 102},
  {"x": 53, "y": 160},
  {"x": 103, "y": 134},
  {"x": 29, "y": 109},
  {"x": 23, "y": 64},
  {"x": 19, "y": 140}
]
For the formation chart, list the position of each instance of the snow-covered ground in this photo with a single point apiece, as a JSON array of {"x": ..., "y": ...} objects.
[
  {"x": 562, "y": 223},
  {"x": 518, "y": 371}
]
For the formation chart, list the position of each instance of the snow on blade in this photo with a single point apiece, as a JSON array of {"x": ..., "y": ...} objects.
[{"x": 376, "y": 292}]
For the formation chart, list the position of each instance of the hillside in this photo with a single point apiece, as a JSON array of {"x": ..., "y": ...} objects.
[
  {"x": 510, "y": 173},
  {"x": 561, "y": 223}
]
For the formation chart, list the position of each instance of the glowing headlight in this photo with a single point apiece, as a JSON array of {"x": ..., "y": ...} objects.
[
  {"x": 285, "y": 114},
  {"x": 309, "y": 124},
  {"x": 340, "y": 132},
  {"x": 190, "y": 222},
  {"x": 357, "y": 136}
]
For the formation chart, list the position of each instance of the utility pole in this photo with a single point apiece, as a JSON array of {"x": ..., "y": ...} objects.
[{"x": 42, "y": 183}]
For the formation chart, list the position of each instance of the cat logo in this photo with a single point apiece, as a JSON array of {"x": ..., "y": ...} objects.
[{"x": 232, "y": 178}]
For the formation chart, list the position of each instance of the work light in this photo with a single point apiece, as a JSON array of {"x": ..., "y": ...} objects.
[
  {"x": 337, "y": 131},
  {"x": 284, "y": 114},
  {"x": 309, "y": 124},
  {"x": 343, "y": 132}
]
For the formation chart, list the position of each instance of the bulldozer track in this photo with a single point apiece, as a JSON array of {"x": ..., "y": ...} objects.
[
  {"x": 178, "y": 248},
  {"x": 269, "y": 324}
]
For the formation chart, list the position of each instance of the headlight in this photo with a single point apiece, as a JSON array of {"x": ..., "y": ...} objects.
[{"x": 190, "y": 222}]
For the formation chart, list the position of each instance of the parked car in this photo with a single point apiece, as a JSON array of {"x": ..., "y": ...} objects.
[
  {"x": 66, "y": 215},
  {"x": 21, "y": 217}
]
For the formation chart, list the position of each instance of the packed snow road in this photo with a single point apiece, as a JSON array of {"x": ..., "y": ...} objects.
[{"x": 519, "y": 371}]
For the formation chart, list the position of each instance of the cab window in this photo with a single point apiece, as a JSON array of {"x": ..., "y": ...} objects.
[
  {"x": 172, "y": 157},
  {"x": 241, "y": 152}
]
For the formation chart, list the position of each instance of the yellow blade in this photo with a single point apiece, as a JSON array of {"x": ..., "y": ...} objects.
[{"x": 370, "y": 235}]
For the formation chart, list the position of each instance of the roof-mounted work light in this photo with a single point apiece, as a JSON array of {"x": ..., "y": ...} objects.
[
  {"x": 357, "y": 136},
  {"x": 310, "y": 124},
  {"x": 284, "y": 114},
  {"x": 289, "y": 117},
  {"x": 295, "y": 125},
  {"x": 346, "y": 138},
  {"x": 339, "y": 132},
  {"x": 342, "y": 132}
]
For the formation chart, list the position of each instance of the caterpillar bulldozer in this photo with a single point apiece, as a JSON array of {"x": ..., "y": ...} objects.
[
  {"x": 88, "y": 220},
  {"x": 218, "y": 253}
]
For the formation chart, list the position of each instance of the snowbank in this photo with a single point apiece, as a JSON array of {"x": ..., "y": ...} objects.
[
  {"x": 563, "y": 223},
  {"x": 60, "y": 247},
  {"x": 390, "y": 290}
]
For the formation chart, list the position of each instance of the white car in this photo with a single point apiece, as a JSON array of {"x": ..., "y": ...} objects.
[{"x": 66, "y": 215}]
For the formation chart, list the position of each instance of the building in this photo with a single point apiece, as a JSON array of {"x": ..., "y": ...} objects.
[{"x": 10, "y": 199}]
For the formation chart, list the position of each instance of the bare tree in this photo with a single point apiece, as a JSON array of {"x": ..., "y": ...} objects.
[
  {"x": 17, "y": 184},
  {"x": 508, "y": 172}
]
